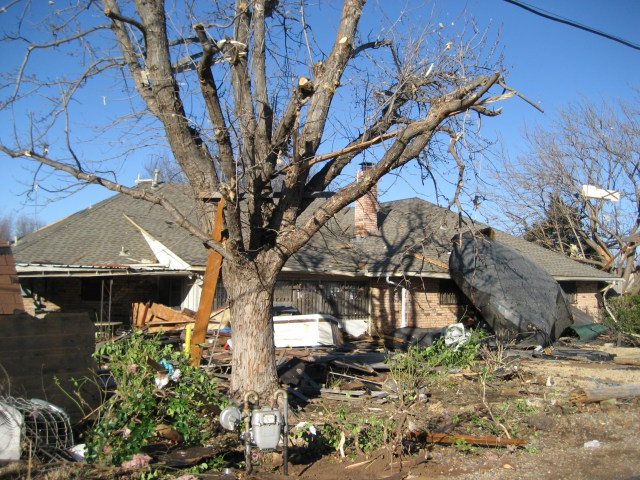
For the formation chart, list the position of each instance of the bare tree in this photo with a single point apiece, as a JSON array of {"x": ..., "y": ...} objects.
[
  {"x": 577, "y": 189},
  {"x": 6, "y": 223},
  {"x": 17, "y": 226},
  {"x": 246, "y": 95},
  {"x": 163, "y": 169},
  {"x": 24, "y": 224}
]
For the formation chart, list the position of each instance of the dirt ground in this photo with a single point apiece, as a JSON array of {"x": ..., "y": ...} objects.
[
  {"x": 544, "y": 412},
  {"x": 539, "y": 401}
]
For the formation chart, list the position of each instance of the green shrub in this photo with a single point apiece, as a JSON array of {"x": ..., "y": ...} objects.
[
  {"x": 626, "y": 310},
  {"x": 412, "y": 369},
  {"x": 129, "y": 417},
  {"x": 352, "y": 432}
]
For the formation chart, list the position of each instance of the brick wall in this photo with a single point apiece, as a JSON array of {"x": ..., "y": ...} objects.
[
  {"x": 422, "y": 306},
  {"x": 589, "y": 299},
  {"x": 65, "y": 294},
  {"x": 10, "y": 293}
]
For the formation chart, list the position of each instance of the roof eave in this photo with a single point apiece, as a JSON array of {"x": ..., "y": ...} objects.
[{"x": 49, "y": 270}]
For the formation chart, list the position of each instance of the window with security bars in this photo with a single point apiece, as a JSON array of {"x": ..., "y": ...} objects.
[
  {"x": 450, "y": 294},
  {"x": 338, "y": 298}
]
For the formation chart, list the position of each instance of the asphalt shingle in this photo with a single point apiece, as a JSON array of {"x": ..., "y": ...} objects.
[{"x": 414, "y": 238}]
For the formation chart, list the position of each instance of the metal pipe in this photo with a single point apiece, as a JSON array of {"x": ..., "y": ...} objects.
[
  {"x": 285, "y": 440},
  {"x": 403, "y": 311},
  {"x": 246, "y": 413}
]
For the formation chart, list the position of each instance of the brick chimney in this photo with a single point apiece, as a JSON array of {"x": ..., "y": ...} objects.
[{"x": 366, "y": 208}]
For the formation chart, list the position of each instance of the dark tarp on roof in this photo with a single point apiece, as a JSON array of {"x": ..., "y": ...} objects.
[{"x": 512, "y": 293}]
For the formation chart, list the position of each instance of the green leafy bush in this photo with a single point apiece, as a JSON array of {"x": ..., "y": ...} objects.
[
  {"x": 348, "y": 432},
  {"x": 411, "y": 370},
  {"x": 130, "y": 416},
  {"x": 626, "y": 310}
]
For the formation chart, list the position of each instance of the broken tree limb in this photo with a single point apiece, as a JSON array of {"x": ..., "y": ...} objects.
[
  {"x": 451, "y": 438},
  {"x": 431, "y": 261},
  {"x": 601, "y": 393},
  {"x": 209, "y": 284}
]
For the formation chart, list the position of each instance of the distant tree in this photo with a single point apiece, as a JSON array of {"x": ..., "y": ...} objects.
[
  {"x": 544, "y": 191},
  {"x": 6, "y": 227},
  {"x": 24, "y": 224},
  {"x": 248, "y": 97},
  {"x": 559, "y": 230},
  {"x": 166, "y": 169},
  {"x": 17, "y": 226}
]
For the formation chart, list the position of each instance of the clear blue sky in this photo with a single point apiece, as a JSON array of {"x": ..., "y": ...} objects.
[{"x": 549, "y": 62}]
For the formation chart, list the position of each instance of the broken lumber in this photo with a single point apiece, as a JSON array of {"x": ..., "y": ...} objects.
[
  {"x": 601, "y": 393},
  {"x": 157, "y": 315},
  {"x": 209, "y": 285},
  {"x": 479, "y": 440},
  {"x": 351, "y": 365}
]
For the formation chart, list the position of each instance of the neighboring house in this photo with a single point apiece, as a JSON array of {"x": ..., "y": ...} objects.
[
  {"x": 10, "y": 295},
  {"x": 374, "y": 266}
]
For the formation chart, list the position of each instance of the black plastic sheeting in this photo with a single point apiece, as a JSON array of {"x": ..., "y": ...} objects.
[
  {"x": 421, "y": 337},
  {"x": 516, "y": 297}
]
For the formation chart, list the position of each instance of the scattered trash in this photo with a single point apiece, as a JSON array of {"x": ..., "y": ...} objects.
[
  {"x": 592, "y": 444},
  {"x": 11, "y": 422},
  {"x": 78, "y": 452},
  {"x": 137, "y": 461},
  {"x": 455, "y": 335},
  {"x": 308, "y": 427},
  {"x": 587, "y": 333},
  {"x": 166, "y": 373},
  {"x": 573, "y": 354},
  {"x": 187, "y": 457}
]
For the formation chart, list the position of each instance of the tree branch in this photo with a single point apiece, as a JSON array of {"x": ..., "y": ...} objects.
[
  {"x": 140, "y": 194},
  {"x": 36, "y": 46},
  {"x": 115, "y": 15},
  {"x": 370, "y": 45}
]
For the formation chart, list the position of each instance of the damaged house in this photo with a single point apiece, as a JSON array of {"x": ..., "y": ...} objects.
[{"x": 376, "y": 266}]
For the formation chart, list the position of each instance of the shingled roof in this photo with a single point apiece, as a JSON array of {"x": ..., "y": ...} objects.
[
  {"x": 106, "y": 235},
  {"x": 414, "y": 238}
]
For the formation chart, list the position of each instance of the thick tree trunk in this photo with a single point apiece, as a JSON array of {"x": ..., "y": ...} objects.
[{"x": 251, "y": 297}]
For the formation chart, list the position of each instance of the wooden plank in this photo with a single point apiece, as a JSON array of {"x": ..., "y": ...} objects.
[
  {"x": 348, "y": 393},
  {"x": 209, "y": 285},
  {"x": 346, "y": 363},
  {"x": 480, "y": 440},
  {"x": 162, "y": 313}
]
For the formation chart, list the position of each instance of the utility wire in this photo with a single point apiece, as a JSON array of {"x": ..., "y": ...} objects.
[{"x": 571, "y": 23}]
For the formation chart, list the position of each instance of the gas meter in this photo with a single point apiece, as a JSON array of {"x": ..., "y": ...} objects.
[{"x": 263, "y": 426}]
